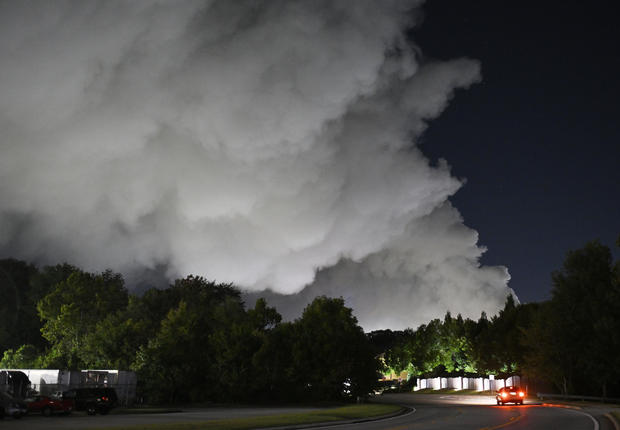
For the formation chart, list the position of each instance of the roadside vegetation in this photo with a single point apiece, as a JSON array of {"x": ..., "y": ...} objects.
[
  {"x": 144, "y": 410},
  {"x": 326, "y": 415},
  {"x": 197, "y": 341},
  {"x": 194, "y": 341},
  {"x": 569, "y": 340}
]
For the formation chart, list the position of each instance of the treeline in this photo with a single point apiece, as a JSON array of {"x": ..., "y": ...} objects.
[
  {"x": 194, "y": 341},
  {"x": 571, "y": 340}
]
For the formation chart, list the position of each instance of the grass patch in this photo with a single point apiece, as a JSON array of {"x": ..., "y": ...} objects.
[
  {"x": 476, "y": 393},
  {"x": 432, "y": 391},
  {"x": 325, "y": 415},
  {"x": 138, "y": 411}
]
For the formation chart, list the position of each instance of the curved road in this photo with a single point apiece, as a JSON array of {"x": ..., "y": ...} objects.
[
  {"x": 428, "y": 411},
  {"x": 434, "y": 412}
]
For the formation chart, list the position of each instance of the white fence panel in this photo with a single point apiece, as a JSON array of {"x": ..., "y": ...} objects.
[{"x": 462, "y": 383}]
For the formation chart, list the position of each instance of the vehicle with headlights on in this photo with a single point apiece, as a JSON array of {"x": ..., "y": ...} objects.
[{"x": 510, "y": 395}]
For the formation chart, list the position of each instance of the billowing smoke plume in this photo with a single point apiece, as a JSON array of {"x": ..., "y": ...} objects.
[{"x": 248, "y": 142}]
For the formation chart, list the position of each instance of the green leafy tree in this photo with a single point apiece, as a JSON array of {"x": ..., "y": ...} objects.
[
  {"x": 331, "y": 352},
  {"x": 234, "y": 341},
  {"x": 25, "y": 357},
  {"x": 428, "y": 351},
  {"x": 167, "y": 363},
  {"x": 258, "y": 378},
  {"x": 545, "y": 359},
  {"x": 72, "y": 310},
  {"x": 497, "y": 343},
  {"x": 460, "y": 356},
  {"x": 397, "y": 351},
  {"x": 438, "y": 347},
  {"x": 263, "y": 317},
  {"x": 114, "y": 341},
  {"x": 181, "y": 361},
  {"x": 580, "y": 324},
  {"x": 19, "y": 323},
  {"x": 274, "y": 373},
  {"x": 585, "y": 301}
]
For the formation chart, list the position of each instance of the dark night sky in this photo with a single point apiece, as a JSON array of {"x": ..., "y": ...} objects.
[{"x": 538, "y": 140}]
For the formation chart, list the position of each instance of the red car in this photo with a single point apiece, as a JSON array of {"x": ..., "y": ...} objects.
[
  {"x": 47, "y": 405},
  {"x": 510, "y": 395}
]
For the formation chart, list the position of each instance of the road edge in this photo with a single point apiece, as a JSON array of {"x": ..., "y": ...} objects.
[
  {"x": 403, "y": 411},
  {"x": 614, "y": 420},
  {"x": 561, "y": 405},
  {"x": 579, "y": 409}
]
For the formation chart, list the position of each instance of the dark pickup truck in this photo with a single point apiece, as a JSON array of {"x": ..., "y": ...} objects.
[{"x": 92, "y": 400}]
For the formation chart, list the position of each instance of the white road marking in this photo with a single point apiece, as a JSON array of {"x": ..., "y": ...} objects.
[
  {"x": 596, "y": 425},
  {"x": 379, "y": 420}
]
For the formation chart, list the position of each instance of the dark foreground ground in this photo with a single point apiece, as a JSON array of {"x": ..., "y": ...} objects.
[{"x": 432, "y": 412}]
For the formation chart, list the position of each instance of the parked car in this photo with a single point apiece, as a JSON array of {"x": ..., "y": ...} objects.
[
  {"x": 11, "y": 407},
  {"x": 92, "y": 400},
  {"x": 49, "y": 405},
  {"x": 510, "y": 395}
]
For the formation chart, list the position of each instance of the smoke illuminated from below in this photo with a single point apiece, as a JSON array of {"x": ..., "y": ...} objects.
[{"x": 268, "y": 144}]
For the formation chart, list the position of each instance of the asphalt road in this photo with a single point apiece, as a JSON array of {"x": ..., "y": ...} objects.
[
  {"x": 428, "y": 411},
  {"x": 434, "y": 412}
]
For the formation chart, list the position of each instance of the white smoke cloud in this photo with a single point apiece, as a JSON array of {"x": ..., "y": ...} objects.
[
  {"x": 429, "y": 269},
  {"x": 248, "y": 142}
]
